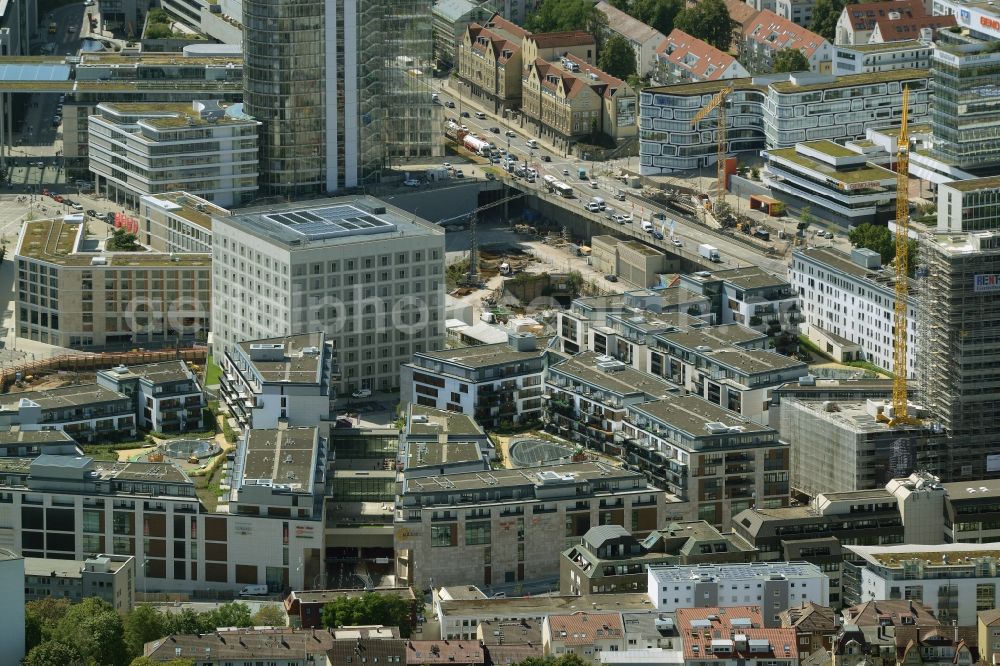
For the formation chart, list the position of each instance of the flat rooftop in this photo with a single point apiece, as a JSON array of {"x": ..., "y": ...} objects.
[
  {"x": 484, "y": 356},
  {"x": 615, "y": 377},
  {"x": 538, "y": 606},
  {"x": 323, "y": 596},
  {"x": 280, "y": 457},
  {"x": 336, "y": 221},
  {"x": 851, "y": 80},
  {"x": 714, "y": 337},
  {"x": 157, "y": 373},
  {"x": 58, "y": 242},
  {"x": 694, "y": 415},
  {"x": 65, "y": 396},
  {"x": 841, "y": 261},
  {"x": 748, "y": 277},
  {"x": 851, "y": 415},
  {"x": 642, "y": 248},
  {"x": 301, "y": 358},
  {"x": 165, "y": 472},
  {"x": 431, "y": 454},
  {"x": 903, "y": 45},
  {"x": 35, "y": 437},
  {"x": 703, "y": 87},
  {"x": 40, "y": 566},
  {"x": 972, "y": 490},
  {"x": 537, "y": 476},
  {"x": 973, "y": 184},
  {"x": 433, "y": 421},
  {"x": 850, "y": 175},
  {"x": 738, "y": 571},
  {"x": 171, "y": 115},
  {"x": 944, "y": 555},
  {"x": 187, "y": 206},
  {"x": 756, "y": 361}
]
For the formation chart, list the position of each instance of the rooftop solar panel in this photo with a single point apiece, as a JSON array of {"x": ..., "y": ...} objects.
[{"x": 34, "y": 72}]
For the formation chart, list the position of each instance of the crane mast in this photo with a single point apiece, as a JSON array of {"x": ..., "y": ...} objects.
[{"x": 718, "y": 102}]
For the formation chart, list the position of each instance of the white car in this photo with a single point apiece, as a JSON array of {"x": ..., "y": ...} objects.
[
  {"x": 445, "y": 165},
  {"x": 511, "y": 133},
  {"x": 411, "y": 182},
  {"x": 676, "y": 242},
  {"x": 362, "y": 393}
]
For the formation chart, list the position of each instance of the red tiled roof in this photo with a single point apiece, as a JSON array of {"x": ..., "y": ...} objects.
[
  {"x": 497, "y": 42},
  {"x": 740, "y": 12},
  {"x": 444, "y": 652},
  {"x": 703, "y": 60},
  {"x": 780, "y": 33},
  {"x": 893, "y": 30},
  {"x": 582, "y": 628},
  {"x": 864, "y": 16},
  {"x": 500, "y": 23},
  {"x": 717, "y": 639},
  {"x": 548, "y": 40},
  {"x": 574, "y": 82}
]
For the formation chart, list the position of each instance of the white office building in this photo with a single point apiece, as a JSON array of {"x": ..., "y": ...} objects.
[
  {"x": 204, "y": 148},
  {"x": 881, "y": 57},
  {"x": 12, "y": 613},
  {"x": 954, "y": 580},
  {"x": 848, "y": 305},
  {"x": 774, "y": 586},
  {"x": 368, "y": 275}
]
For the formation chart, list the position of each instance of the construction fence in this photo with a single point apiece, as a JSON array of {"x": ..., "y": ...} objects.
[{"x": 95, "y": 362}]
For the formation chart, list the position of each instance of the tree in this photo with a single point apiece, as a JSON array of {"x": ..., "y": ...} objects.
[
  {"x": 270, "y": 615},
  {"x": 369, "y": 608},
  {"x": 123, "y": 241},
  {"x": 40, "y": 617},
  {"x": 95, "y": 629},
  {"x": 234, "y": 614},
  {"x": 826, "y": 13},
  {"x": 142, "y": 625},
  {"x": 709, "y": 21},
  {"x": 53, "y": 653},
  {"x": 789, "y": 60},
  {"x": 874, "y": 237},
  {"x": 617, "y": 58},
  {"x": 561, "y": 15},
  {"x": 659, "y": 14}
]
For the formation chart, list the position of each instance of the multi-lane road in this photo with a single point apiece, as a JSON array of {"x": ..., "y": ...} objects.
[{"x": 566, "y": 169}]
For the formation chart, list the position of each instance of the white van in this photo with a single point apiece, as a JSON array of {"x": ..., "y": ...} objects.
[
  {"x": 647, "y": 225},
  {"x": 599, "y": 202},
  {"x": 594, "y": 207},
  {"x": 480, "y": 115},
  {"x": 531, "y": 143},
  {"x": 253, "y": 590}
]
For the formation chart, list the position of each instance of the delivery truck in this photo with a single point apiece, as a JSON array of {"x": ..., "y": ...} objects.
[{"x": 709, "y": 252}]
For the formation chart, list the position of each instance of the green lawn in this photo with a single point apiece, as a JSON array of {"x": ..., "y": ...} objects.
[{"x": 212, "y": 372}]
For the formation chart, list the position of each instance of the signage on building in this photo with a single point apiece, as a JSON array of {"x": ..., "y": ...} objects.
[
  {"x": 304, "y": 531},
  {"x": 865, "y": 185},
  {"x": 986, "y": 282},
  {"x": 964, "y": 17},
  {"x": 405, "y": 534},
  {"x": 243, "y": 529}
]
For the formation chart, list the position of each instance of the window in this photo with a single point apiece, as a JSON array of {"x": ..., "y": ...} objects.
[
  {"x": 477, "y": 533},
  {"x": 985, "y": 596},
  {"x": 443, "y": 535}
]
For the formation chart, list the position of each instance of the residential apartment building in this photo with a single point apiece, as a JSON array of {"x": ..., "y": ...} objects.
[
  {"x": 955, "y": 581},
  {"x": 770, "y": 586},
  {"x": 86, "y": 412},
  {"x": 890, "y": 29},
  {"x": 857, "y": 22},
  {"x": 988, "y": 632},
  {"x": 704, "y": 364},
  {"x": 589, "y": 395},
  {"x": 368, "y": 275},
  {"x": 502, "y": 525},
  {"x": 70, "y": 295},
  {"x": 630, "y": 337},
  {"x": 733, "y": 636},
  {"x": 167, "y": 396},
  {"x": 839, "y": 183},
  {"x": 17, "y": 443},
  {"x": 492, "y": 57},
  {"x": 71, "y": 508},
  {"x": 273, "y": 380},
  {"x": 205, "y": 148},
  {"x": 715, "y": 460},
  {"x": 436, "y": 442},
  {"x": 769, "y": 113},
  {"x": 334, "y": 109},
  {"x": 768, "y": 34},
  {"x": 881, "y": 57},
  {"x": 584, "y": 634},
  {"x": 968, "y": 205},
  {"x": 799, "y": 12},
  {"x": 12, "y": 586},
  {"x": 681, "y": 58},
  {"x": 609, "y": 559},
  {"x": 749, "y": 296},
  {"x": 848, "y": 305},
  {"x": 569, "y": 99},
  {"x": 815, "y": 626},
  {"x": 642, "y": 38},
  {"x": 498, "y": 384},
  {"x": 290, "y": 647},
  {"x": 110, "y": 578},
  {"x": 177, "y": 222}
]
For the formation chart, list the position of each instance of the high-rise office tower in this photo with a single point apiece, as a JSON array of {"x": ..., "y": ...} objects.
[{"x": 340, "y": 86}]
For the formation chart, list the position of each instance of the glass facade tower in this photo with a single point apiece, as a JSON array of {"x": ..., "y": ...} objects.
[{"x": 340, "y": 86}]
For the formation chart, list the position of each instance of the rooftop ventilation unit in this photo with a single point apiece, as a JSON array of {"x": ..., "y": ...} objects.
[{"x": 716, "y": 427}]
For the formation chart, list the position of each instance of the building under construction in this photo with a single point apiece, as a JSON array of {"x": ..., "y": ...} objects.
[{"x": 960, "y": 353}]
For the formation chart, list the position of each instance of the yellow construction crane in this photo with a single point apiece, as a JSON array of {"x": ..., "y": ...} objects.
[
  {"x": 899, "y": 392},
  {"x": 717, "y": 103}
]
